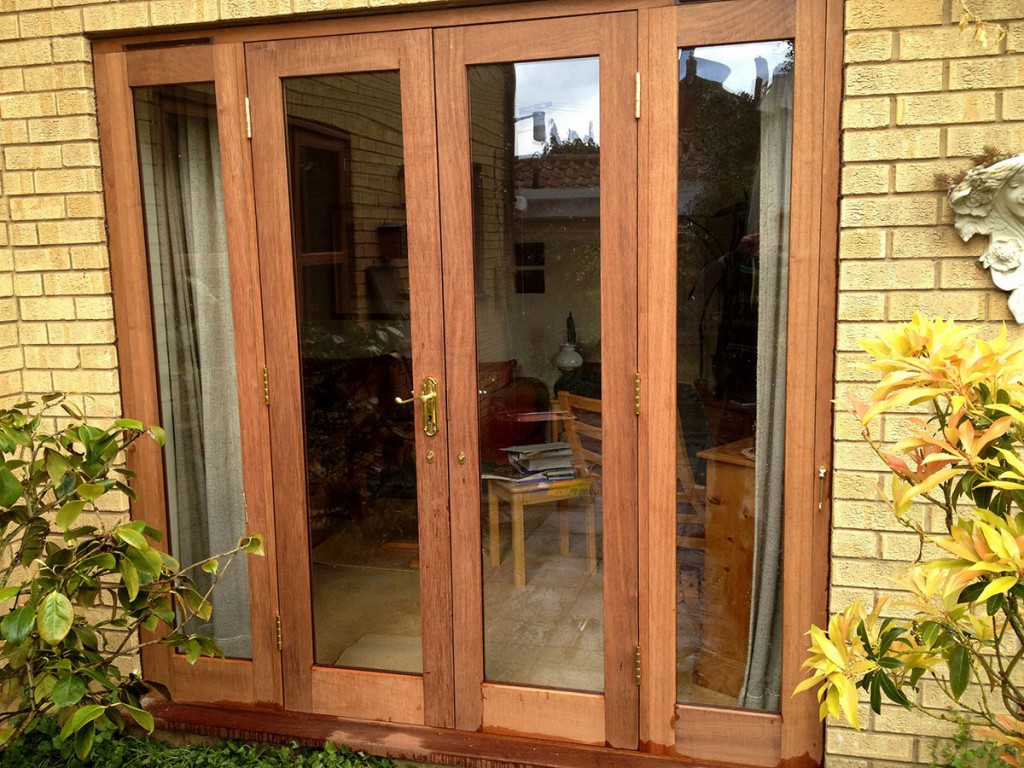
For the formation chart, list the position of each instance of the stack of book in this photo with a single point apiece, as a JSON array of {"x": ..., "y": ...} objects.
[{"x": 535, "y": 463}]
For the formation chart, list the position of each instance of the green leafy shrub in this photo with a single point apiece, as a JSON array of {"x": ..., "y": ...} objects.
[
  {"x": 964, "y": 751},
  {"x": 76, "y": 588},
  {"x": 42, "y": 747}
]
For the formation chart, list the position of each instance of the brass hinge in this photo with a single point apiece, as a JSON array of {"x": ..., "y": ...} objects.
[
  {"x": 266, "y": 387},
  {"x": 637, "y": 95},
  {"x": 279, "y": 643},
  {"x": 636, "y": 394},
  {"x": 248, "y": 120},
  {"x": 638, "y": 665}
]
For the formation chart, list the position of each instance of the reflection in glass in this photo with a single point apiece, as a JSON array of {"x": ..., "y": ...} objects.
[
  {"x": 735, "y": 132},
  {"x": 352, "y": 295},
  {"x": 179, "y": 159},
  {"x": 535, "y": 146}
]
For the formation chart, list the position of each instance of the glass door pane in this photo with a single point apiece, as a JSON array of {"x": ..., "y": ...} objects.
[
  {"x": 735, "y": 133},
  {"x": 193, "y": 330},
  {"x": 536, "y": 165},
  {"x": 346, "y": 167}
]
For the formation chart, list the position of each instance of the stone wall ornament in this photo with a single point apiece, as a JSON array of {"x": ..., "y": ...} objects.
[{"x": 990, "y": 201}]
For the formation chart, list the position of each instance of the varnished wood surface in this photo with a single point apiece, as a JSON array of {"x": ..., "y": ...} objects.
[
  {"x": 736, "y": 21},
  {"x": 401, "y": 742},
  {"x": 573, "y": 716},
  {"x": 368, "y": 695},
  {"x": 456, "y": 205},
  {"x": 711, "y": 733},
  {"x": 254, "y": 419},
  {"x": 191, "y": 64},
  {"x": 658, "y": 214}
]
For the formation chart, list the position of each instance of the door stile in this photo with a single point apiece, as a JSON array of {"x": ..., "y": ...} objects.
[
  {"x": 619, "y": 347},
  {"x": 658, "y": 190},
  {"x": 456, "y": 215},
  {"x": 430, "y": 356},
  {"x": 240, "y": 215},
  {"x": 268, "y": 149}
]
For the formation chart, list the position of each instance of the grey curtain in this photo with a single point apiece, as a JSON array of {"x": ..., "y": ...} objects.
[
  {"x": 761, "y": 688},
  {"x": 194, "y": 333}
]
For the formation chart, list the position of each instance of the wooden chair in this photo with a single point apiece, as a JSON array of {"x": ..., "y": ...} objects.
[{"x": 582, "y": 425}]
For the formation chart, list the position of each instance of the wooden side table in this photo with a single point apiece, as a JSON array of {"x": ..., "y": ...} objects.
[
  {"x": 728, "y": 568},
  {"x": 518, "y": 497}
]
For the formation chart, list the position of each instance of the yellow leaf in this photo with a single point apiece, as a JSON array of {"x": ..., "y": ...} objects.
[{"x": 999, "y": 586}]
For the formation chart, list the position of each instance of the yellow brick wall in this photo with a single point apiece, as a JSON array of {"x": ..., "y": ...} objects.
[{"x": 919, "y": 98}]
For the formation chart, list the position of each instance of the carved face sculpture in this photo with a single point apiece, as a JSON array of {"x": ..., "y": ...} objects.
[
  {"x": 990, "y": 201},
  {"x": 1011, "y": 197}
]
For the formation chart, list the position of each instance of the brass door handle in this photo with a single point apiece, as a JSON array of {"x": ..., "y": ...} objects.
[{"x": 427, "y": 396}]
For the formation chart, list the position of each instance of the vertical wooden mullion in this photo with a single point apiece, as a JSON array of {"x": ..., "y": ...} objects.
[
  {"x": 460, "y": 351},
  {"x": 658, "y": 190},
  {"x": 618, "y": 58},
  {"x": 273, "y": 230},
  {"x": 246, "y": 303},
  {"x": 429, "y": 359}
]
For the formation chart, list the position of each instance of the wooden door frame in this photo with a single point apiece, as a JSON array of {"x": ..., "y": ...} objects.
[
  {"x": 417, "y": 699},
  {"x": 698, "y": 732},
  {"x": 611, "y": 718},
  {"x": 819, "y": 33},
  {"x": 255, "y": 681}
]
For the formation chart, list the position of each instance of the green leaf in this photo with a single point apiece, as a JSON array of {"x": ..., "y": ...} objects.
[
  {"x": 197, "y": 604},
  {"x": 211, "y": 566},
  {"x": 83, "y": 740},
  {"x": 129, "y": 424},
  {"x": 68, "y": 691},
  {"x": 91, "y": 491},
  {"x": 959, "y": 672},
  {"x": 158, "y": 434},
  {"x": 56, "y": 465},
  {"x": 69, "y": 513},
  {"x": 54, "y": 618},
  {"x": 81, "y": 717},
  {"x": 892, "y": 690},
  {"x": 17, "y": 624},
  {"x": 142, "y": 717},
  {"x": 876, "y": 694},
  {"x": 131, "y": 537},
  {"x": 130, "y": 577},
  {"x": 252, "y": 544},
  {"x": 10, "y": 488},
  {"x": 6, "y": 593}
]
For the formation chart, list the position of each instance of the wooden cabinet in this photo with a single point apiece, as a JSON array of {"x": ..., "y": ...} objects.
[{"x": 728, "y": 562}]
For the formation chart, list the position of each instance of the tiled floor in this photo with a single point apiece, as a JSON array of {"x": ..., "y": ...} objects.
[{"x": 367, "y": 611}]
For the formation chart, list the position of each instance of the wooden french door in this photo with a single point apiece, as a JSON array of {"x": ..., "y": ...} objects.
[
  {"x": 394, "y": 233},
  {"x": 355, "y": 472}
]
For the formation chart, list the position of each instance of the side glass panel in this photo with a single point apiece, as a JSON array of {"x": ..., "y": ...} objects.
[
  {"x": 735, "y": 132},
  {"x": 179, "y": 156},
  {"x": 352, "y": 288},
  {"x": 535, "y": 148}
]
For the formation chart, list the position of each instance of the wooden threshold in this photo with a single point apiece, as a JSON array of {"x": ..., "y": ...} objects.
[{"x": 399, "y": 742}]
